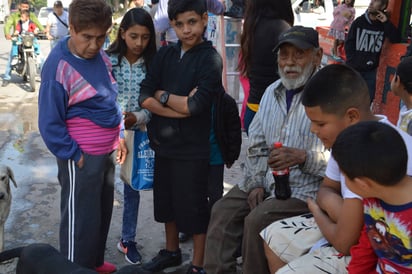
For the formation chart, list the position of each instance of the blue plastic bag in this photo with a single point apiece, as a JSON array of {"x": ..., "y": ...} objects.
[{"x": 138, "y": 168}]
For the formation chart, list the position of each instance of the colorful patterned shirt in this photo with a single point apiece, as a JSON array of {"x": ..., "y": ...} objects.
[
  {"x": 128, "y": 77},
  {"x": 389, "y": 229}
]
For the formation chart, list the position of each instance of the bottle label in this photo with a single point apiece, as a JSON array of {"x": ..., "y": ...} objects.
[{"x": 280, "y": 172}]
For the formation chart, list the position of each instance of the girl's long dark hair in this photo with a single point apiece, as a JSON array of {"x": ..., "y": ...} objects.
[
  {"x": 135, "y": 16},
  {"x": 255, "y": 10}
]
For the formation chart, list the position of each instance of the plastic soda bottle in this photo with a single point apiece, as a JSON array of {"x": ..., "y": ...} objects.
[{"x": 282, "y": 187}]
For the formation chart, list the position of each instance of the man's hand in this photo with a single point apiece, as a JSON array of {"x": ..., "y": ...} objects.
[
  {"x": 121, "y": 152},
  {"x": 8, "y": 37},
  {"x": 255, "y": 197},
  {"x": 284, "y": 157}
]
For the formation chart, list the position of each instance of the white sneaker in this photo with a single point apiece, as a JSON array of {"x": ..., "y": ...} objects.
[{"x": 14, "y": 61}]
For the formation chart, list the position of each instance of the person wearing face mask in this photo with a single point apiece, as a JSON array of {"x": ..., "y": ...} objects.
[
  {"x": 9, "y": 30},
  {"x": 365, "y": 39}
]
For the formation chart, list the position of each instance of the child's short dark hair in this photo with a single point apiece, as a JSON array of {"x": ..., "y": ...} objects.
[
  {"x": 84, "y": 14},
  {"x": 404, "y": 71},
  {"x": 176, "y": 7},
  {"x": 335, "y": 88},
  {"x": 371, "y": 149}
]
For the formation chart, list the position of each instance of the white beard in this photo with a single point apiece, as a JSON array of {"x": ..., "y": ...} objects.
[{"x": 295, "y": 83}]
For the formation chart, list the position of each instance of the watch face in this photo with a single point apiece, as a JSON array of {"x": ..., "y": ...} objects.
[{"x": 164, "y": 97}]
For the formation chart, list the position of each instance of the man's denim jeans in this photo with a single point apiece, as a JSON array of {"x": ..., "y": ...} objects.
[{"x": 7, "y": 73}]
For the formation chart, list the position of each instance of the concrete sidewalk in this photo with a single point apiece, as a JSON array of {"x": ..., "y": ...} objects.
[{"x": 35, "y": 214}]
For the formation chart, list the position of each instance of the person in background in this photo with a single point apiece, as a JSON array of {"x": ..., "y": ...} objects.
[
  {"x": 57, "y": 24},
  {"x": 318, "y": 7},
  {"x": 131, "y": 54},
  {"x": 237, "y": 9},
  {"x": 162, "y": 22},
  {"x": 401, "y": 85},
  {"x": 24, "y": 25},
  {"x": 264, "y": 21},
  {"x": 153, "y": 7},
  {"x": 365, "y": 39},
  {"x": 244, "y": 211},
  {"x": 139, "y": 4},
  {"x": 80, "y": 122},
  {"x": 11, "y": 23},
  {"x": 343, "y": 16},
  {"x": 386, "y": 189}
]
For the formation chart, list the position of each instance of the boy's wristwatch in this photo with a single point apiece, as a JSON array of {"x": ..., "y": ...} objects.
[{"x": 164, "y": 98}]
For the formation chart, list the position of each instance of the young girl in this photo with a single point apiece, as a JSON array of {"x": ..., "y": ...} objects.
[
  {"x": 130, "y": 54},
  {"x": 343, "y": 16}
]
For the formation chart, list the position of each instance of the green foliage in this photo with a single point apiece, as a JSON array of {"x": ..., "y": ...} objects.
[
  {"x": 37, "y": 4},
  {"x": 113, "y": 33}
]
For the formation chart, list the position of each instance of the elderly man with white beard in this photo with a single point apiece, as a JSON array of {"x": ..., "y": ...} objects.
[{"x": 251, "y": 205}]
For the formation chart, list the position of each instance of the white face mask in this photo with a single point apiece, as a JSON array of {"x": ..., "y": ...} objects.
[{"x": 295, "y": 83}]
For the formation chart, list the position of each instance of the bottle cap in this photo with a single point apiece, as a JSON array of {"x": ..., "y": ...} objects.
[{"x": 278, "y": 144}]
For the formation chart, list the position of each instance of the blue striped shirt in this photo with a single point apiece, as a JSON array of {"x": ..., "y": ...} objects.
[{"x": 273, "y": 123}]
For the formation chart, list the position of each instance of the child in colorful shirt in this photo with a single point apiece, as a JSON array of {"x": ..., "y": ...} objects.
[{"x": 387, "y": 195}]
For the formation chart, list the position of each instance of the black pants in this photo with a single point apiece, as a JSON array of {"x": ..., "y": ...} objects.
[{"x": 86, "y": 208}]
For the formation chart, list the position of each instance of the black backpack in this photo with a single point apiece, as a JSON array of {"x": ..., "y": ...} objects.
[{"x": 227, "y": 127}]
